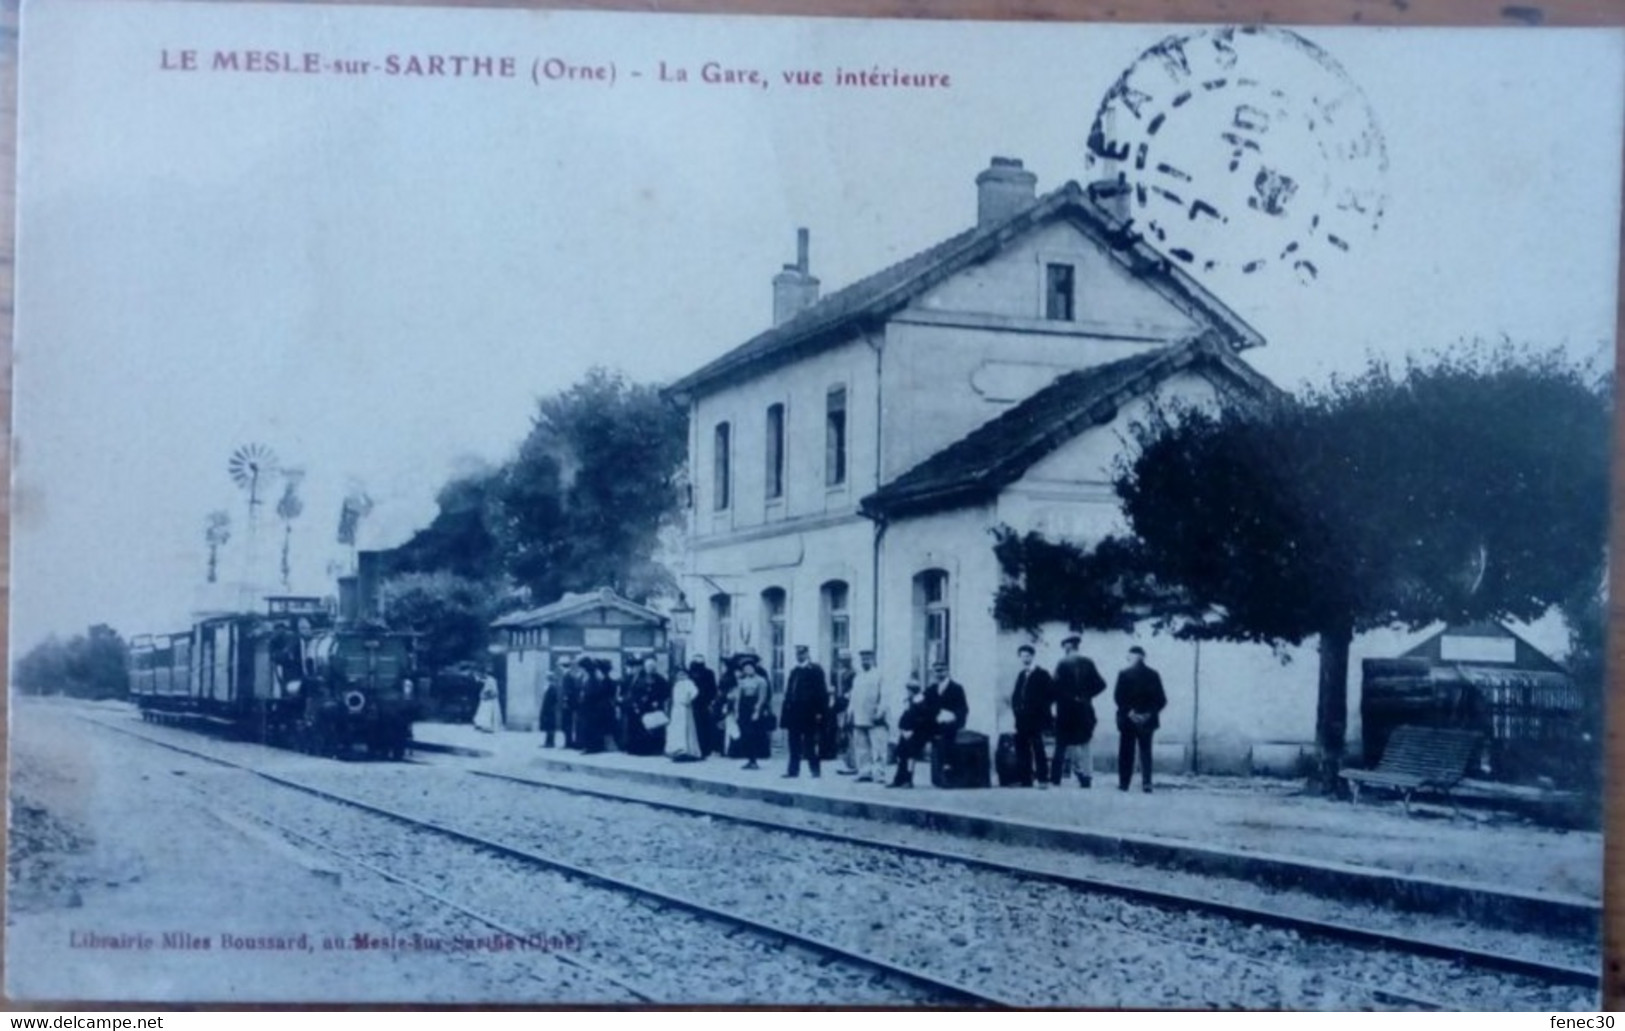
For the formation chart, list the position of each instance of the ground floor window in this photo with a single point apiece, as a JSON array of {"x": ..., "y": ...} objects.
[
  {"x": 773, "y": 632},
  {"x": 722, "y": 644},
  {"x": 933, "y": 623},
  {"x": 836, "y": 628}
]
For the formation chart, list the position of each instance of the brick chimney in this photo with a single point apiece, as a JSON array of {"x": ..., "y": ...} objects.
[
  {"x": 794, "y": 288},
  {"x": 1002, "y": 189},
  {"x": 1110, "y": 190}
]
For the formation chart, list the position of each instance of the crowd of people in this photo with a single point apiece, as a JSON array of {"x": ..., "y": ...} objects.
[{"x": 847, "y": 716}]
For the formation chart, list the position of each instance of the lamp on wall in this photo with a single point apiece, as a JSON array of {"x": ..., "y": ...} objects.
[{"x": 682, "y": 616}]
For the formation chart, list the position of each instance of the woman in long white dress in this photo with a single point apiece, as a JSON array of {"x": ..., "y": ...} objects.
[
  {"x": 486, "y": 716},
  {"x": 682, "y": 733}
]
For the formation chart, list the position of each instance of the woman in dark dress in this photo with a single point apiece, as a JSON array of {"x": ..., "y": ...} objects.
[
  {"x": 751, "y": 707},
  {"x": 598, "y": 706}
]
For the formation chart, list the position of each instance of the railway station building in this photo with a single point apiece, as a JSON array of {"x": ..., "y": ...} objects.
[{"x": 849, "y": 463}]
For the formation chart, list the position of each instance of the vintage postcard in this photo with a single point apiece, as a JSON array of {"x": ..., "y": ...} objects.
[{"x": 542, "y": 507}]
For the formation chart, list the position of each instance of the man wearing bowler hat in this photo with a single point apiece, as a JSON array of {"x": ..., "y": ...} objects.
[
  {"x": 806, "y": 706},
  {"x": 1140, "y": 699}
]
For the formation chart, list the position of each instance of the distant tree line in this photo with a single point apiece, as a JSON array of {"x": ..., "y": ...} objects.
[{"x": 94, "y": 665}]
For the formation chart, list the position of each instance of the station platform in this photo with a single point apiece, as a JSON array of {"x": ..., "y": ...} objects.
[{"x": 1487, "y": 865}]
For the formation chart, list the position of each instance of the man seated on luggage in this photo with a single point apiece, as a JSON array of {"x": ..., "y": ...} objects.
[{"x": 937, "y": 714}]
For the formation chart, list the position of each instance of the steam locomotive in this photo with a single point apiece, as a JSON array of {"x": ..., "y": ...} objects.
[{"x": 294, "y": 676}]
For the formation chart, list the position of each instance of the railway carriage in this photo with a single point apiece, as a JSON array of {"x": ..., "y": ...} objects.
[{"x": 291, "y": 677}]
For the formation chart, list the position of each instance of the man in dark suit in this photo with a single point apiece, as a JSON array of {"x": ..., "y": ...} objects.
[
  {"x": 1030, "y": 703},
  {"x": 806, "y": 706},
  {"x": 938, "y": 715},
  {"x": 572, "y": 698},
  {"x": 1077, "y": 682},
  {"x": 1140, "y": 699}
]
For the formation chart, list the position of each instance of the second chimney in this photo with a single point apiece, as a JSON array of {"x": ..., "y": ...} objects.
[
  {"x": 794, "y": 288},
  {"x": 1002, "y": 189}
]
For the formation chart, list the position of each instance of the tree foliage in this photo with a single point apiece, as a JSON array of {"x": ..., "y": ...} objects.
[
  {"x": 95, "y": 665},
  {"x": 579, "y": 506},
  {"x": 1470, "y": 487},
  {"x": 1473, "y": 485},
  {"x": 450, "y": 612},
  {"x": 582, "y": 504}
]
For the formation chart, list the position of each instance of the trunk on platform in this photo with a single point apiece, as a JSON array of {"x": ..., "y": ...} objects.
[{"x": 1332, "y": 712}]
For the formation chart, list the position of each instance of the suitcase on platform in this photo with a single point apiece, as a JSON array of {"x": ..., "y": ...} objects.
[
  {"x": 1004, "y": 761},
  {"x": 962, "y": 763}
]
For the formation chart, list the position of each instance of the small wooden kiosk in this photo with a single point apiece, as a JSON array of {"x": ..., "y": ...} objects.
[{"x": 600, "y": 624}]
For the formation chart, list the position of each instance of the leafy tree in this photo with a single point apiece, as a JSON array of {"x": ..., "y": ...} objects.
[
  {"x": 1586, "y": 614},
  {"x": 1474, "y": 486},
  {"x": 95, "y": 664},
  {"x": 451, "y": 612},
  {"x": 582, "y": 504},
  {"x": 43, "y": 669}
]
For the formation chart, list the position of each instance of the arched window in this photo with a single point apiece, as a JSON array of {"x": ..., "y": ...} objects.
[
  {"x": 722, "y": 639},
  {"x": 835, "y": 623},
  {"x": 933, "y": 623},
  {"x": 773, "y": 606}
]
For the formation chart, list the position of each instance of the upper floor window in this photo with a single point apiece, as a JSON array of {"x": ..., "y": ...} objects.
[
  {"x": 721, "y": 484},
  {"x": 835, "y": 437},
  {"x": 1059, "y": 282},
  {"x": 775, "y": 451}
]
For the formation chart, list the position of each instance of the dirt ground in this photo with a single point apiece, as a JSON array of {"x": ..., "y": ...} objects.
[{"x": 110, "y": 845}]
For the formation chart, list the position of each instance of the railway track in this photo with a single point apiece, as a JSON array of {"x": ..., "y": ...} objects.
[
  {"x": 875, "y": 855},
  {"x": 911, "y": 984},
  {"x": 1523, "y": 966}
]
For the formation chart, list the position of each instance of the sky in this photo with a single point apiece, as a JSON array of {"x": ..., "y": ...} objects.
[{"x": 376, "y": 276}]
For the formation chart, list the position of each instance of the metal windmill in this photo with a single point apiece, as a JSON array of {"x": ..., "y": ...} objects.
[
  {"x": 288, "y": 509},
  {"x": 252, "y": 467},
  {"x": 216, "y": 532}
]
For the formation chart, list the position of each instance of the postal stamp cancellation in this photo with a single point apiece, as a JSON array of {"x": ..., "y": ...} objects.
[{"x": 1243, "y": 148}]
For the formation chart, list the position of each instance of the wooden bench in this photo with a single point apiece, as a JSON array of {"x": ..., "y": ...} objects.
[{"x": 1419, "y": 759}]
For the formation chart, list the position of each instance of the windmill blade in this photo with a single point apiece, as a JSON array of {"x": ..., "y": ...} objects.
[{"x": 250, "y": 464}]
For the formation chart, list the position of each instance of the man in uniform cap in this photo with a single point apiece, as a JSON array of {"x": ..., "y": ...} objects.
[
  {"x": 1077, "y": 682},
  {"x": 806, "y": 706},
  {"x": 1030, "y": 702},
  {"x": 1140, "y": 699},
  {"x": 868, "y": 720}
]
